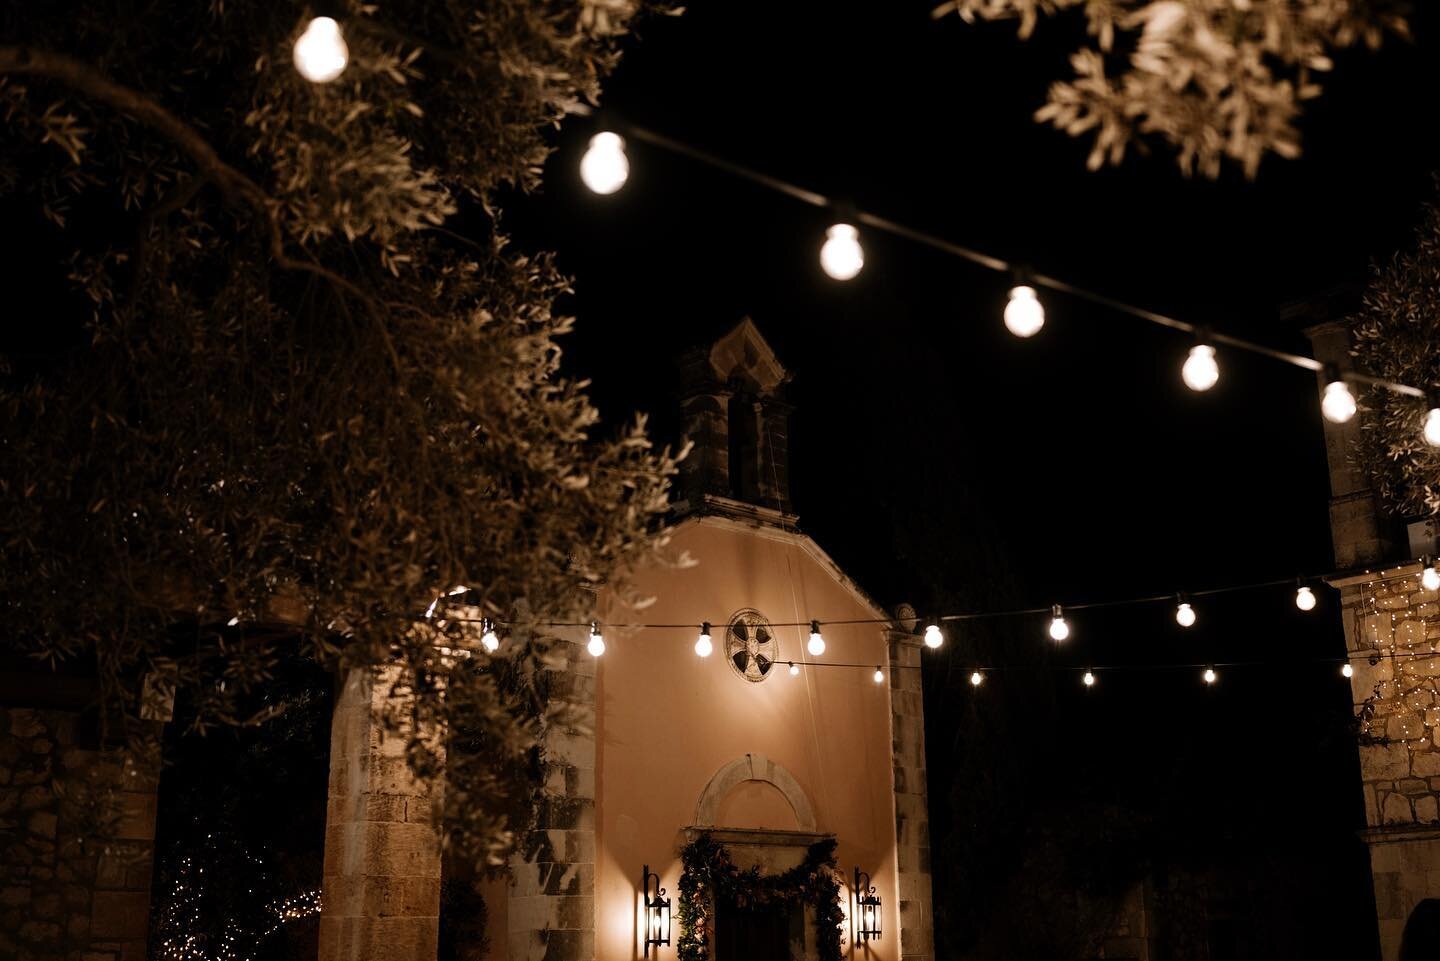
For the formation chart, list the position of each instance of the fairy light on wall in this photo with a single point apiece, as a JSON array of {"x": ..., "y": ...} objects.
[
  {"x": 596, "y": 645},
  {"x": 703, "y": 644},
  {"x": 879, "y": 675},
  {"x": 489, "y": 639}
]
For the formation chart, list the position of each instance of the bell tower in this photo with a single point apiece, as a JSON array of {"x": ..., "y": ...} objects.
[{"x": 734, "y": 411}]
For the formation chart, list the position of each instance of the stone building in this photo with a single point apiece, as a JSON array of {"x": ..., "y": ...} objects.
[
  {"x": 1392, "y": 634},
  {"x": 765, "y": 758}
]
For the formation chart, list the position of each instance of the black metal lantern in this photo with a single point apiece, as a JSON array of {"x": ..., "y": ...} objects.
[
  {"x": 657, "y": 913},
  {"x": 867, "y": 908}
]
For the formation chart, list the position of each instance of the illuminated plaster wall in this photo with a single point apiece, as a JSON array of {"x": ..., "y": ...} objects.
[{"x": 667, "y": 720}]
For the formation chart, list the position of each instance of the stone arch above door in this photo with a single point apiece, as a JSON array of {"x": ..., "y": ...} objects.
[{"x": 754, "y": 767}]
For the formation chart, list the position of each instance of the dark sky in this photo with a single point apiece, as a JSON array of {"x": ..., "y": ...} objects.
[{"x": 937, "y": 457}]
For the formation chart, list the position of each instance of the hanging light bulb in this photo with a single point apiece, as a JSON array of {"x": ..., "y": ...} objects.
[
  {"x": 596, "y": 647},
  {"x": 879, "y": 675},
  {"x": 794, "y": 669},
  {"x": 1200, "y": 372},
  {"x": 1337, "y": 404},
  {"x": 816, "y": 646},
  {"x": 1089, "y": 679},
  {"x": 841, "y": 255},
  {"x": 320, "y": 52},
  {"x": 1184, "y": 613},
  {"x": 1432, "y": 418},
  {"x": 1024, "y": 314},
  {"x": 976, "y": 678},
  {"x": 1304, "y": 598},
  {"x": 703, "y": 645},
  {"x": 1430, "y": 576},
  {"x": 1059, "y": 628},
  {"x": 489, "y": 640},
  {"x": 1346, "y": 670},
  {"x": 933, "y": 637},
  {"x": 605, "y": 168},
  {"x": 1209, "y": 676}
]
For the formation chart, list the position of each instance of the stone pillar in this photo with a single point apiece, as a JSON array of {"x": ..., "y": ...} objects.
[
  {"x": 1358, "y": 529},
  {"x": 551, "y": 910},
  {"x": 1392, "y": 629},
  {"x": 381, "y": 899},
  {"x": 912, "y": 814}
]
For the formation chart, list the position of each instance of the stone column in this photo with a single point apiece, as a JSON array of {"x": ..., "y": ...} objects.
[
  {"x": 1357, "y": 526},
  {"x": 912, "y": 815},
  {"x": 381, "y": 899},
  {"x": 1392, "y": 629},
  {"x": 551, "y": 910}
]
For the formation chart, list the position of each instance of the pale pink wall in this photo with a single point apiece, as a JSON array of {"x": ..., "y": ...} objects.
[{"x": 668, "y": 720}]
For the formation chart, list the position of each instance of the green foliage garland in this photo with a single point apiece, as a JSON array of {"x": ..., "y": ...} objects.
[{"x": 709, "y": 875}]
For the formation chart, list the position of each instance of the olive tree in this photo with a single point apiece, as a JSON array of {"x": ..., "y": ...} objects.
[
  {"x": 314, "y": 393},
  {"x": 1212, "y": 80}
]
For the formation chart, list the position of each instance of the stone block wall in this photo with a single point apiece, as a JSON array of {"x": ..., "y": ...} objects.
[
  {"x": 1392, "y": 633},
  {"x": 77, "y": 829},
  {"x": 912, "y": 816},
  {"x": 551, "y": 907}
]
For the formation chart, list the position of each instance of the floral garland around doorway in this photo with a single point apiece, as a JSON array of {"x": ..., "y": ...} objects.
[{"x": 708, "y": 875}]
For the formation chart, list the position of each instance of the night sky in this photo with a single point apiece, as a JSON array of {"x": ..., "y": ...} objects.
[{"x": 941, "y": 460}]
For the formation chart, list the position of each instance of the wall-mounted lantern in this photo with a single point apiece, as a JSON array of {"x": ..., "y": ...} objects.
[
  {"x": 657, "y": 913},
  {"x": 867, "y": 908}
]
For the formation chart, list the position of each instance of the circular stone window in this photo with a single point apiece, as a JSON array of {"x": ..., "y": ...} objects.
[{"x": 751, "y": 646}]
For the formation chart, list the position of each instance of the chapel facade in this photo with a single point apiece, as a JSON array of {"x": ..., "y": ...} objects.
[{"x": 689, "y": 771}]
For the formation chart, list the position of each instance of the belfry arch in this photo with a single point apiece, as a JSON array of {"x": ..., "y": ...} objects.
[{"x": 754, "y": 767}]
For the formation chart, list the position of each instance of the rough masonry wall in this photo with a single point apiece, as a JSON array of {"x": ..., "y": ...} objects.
[
  {"x": 65, "y": 891},
  {"x": 1392, "y": 631},
  {"x": 912, "y": 816},
  {"x": 551, "y": 910}
]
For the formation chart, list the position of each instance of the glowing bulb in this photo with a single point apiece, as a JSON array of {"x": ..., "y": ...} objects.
[
  {"x": 1200, "y": 371},
  {"x": 1338, "y": 404},
  {"x": 879, "y": 676},
  {"x": 933, "y": 637},
  {"x": 1347, "y": 670},
  {"x": 1185, "y": 615},
  {"x": 816, "y": 646},
  {"x": 976, "y": 678},
  {"x": 1059, "y": 629},
  {"x": 1089, "y": 679},
  {"x": 703, "y": 645},
  {"x": 489, "y": 640},
  {"x": 840, "y": 255},
  {"x": 1432, "y": 427},
  {"x": 1304, "y": 598},
  {"x": 1209, "y": 675},
  {"x": 596, "y": 647},
  {"x": 794, "y": 669},
  {"x": 605, "y": 168},
  {"x": 320, "y": 52},
  {"x": 1430, "y": 578},
  {"x": 1024, "y": 315}
]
